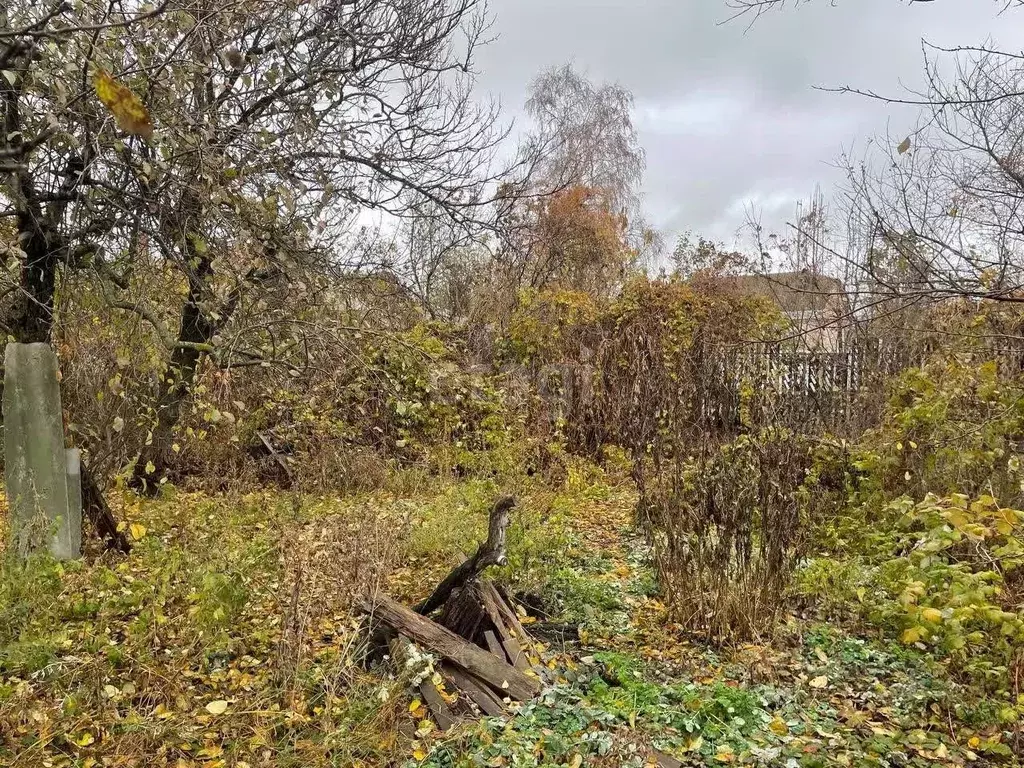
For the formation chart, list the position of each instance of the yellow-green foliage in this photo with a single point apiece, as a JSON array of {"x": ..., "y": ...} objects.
[
  {"x": 551, "y": 325},
  {"x": 951, "y": 584},
  {"x": 918, "y": 529},
  {"x": 951, "y": 426}
]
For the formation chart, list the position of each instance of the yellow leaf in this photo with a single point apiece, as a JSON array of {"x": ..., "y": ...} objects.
[
  {"x": 217, "y": 707},
  {"x": 129, "y": 111},
  {"x": 819, "y": 682},
  {"x": 85, "y": 739},
  {"x": 911, "y": 635},
  {"x": 778, "y": 726},
  {"x": 138, "y": 530},
  {"x": 415, "y": 705},
  {"x": 419, "y": 754},
  {"x": 725, "y": 754},
  {"x": 577, "y": 760},
  {"x": 933, "y": 615}
]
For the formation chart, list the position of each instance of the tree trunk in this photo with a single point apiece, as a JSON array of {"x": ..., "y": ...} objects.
[
  {"x": 491, "y": 552},
  {"x": 195, "y": 331},
  {"x": 31, "y": 318}
]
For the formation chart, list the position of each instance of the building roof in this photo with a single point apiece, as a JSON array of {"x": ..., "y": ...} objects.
[{"x": 794, "y": 291}]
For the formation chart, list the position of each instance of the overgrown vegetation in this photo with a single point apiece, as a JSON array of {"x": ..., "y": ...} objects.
[{"x": 733, "y": 545}]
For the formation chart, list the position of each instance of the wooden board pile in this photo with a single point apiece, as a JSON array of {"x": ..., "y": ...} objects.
[
  {"x": 477, "y": 636},
  {"x": 482, "y": 647},
  {"x": 478, "y": 675}
]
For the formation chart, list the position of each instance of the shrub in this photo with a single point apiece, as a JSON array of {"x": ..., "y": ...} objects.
[{"x": 727, "y": 528}]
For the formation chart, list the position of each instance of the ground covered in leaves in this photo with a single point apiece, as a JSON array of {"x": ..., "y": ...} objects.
[{"x": 228, "y": 638}]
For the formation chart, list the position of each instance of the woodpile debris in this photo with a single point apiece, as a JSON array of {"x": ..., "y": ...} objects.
[
  {"x": 479, "y": 640},
  {"x": 483, "y": 652}
]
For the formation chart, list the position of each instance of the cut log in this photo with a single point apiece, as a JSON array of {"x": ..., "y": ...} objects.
[
  {"x": 438, "y": 707},
  {"x": 446, "y": 643},
  {"x": 463, "y": 614},
  {"x": 476, "y": 690},
  {"x": 491, "y": 552}
]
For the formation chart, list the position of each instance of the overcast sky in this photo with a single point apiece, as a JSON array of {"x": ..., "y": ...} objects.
[{"x": 727, "y": 114}]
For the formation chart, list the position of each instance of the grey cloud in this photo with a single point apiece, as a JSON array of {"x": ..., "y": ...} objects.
[{"x": 729, "y": 114}]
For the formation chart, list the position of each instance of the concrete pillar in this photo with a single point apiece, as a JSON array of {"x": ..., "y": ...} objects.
[
  {"x": 71, "y": 541},
  {"x": 35, "y": 462}
]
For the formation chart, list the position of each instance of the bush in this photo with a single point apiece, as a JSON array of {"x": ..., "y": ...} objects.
[
  {"x": 727, "y": 529},
  {"x": 951, "y": 584}
]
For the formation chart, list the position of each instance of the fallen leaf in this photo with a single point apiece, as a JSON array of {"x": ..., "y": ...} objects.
[
  {"x": 217, "y": 707},
  {"x": 911, "y": 635},
  {"x": 819, "y": 682}
]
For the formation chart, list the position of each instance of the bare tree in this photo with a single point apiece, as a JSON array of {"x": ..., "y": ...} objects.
[
  {"x": 758, "y": 7},
  {"x": 945, "y": 210},
  {"x": 577, "y": 221},
  {"x": 590, "y": 129},
  {"x": 275, "y": 125}
]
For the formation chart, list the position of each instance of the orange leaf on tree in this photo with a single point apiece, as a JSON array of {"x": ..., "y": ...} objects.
[{"x": 129, "y": 111}]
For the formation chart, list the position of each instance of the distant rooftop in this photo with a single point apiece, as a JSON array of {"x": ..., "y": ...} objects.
[{"x": 800, "y": 291}]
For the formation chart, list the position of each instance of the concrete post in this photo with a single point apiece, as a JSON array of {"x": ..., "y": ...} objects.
[
  {"x": 71, "y": 534},
  {"x": 35, "y": 462}
]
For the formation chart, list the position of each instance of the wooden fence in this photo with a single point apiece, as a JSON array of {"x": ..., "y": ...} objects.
[{"x": 840, "y": 391}]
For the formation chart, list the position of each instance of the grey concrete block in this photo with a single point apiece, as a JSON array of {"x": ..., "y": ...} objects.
[
  {"x": 70, "y": 535},
  {"x": 35, "y": 462}
]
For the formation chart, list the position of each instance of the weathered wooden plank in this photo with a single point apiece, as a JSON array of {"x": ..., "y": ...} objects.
[
  {"x": 511, "y": 620},
  {"x": 487, "y": 599},
  {"x": 515, "y": 653},
  {"x": 438, "y": 707},
  {"x": 477, "y": 691},
  {"x": 492, "y": 643},
  {"x": 446, "y": 643}
]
